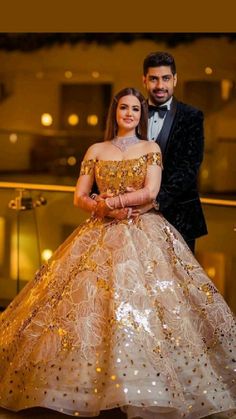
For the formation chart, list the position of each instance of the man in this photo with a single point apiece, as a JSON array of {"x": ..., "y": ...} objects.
[{"x": 178, "y": 129}]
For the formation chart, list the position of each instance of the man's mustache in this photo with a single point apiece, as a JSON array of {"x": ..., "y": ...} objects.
[{"x": 160, "y": 91}]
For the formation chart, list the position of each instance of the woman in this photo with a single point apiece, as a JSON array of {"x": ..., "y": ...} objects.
[{"x": 122, "y": 315}]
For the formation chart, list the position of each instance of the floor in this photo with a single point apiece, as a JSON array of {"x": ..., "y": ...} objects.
[{"x": 39, "y": 413}]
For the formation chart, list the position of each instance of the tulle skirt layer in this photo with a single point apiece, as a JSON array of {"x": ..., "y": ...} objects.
[{"x": 121, "y": 316}]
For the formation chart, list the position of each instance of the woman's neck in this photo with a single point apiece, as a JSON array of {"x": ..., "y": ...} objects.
[{"x": 126, "y": 133}]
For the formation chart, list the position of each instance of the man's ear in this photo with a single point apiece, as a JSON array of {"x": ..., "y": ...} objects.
[
  {"x": 175, "y": 79},
  {"x": 144, "y": 81}
]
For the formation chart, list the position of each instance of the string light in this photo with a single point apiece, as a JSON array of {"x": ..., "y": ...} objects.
[
  {"x": 208, "y": 70},
  {"x": 46, "y": 254},
  {"x": 95, "y": 74},
  {"x": 46, "y": 119},
  {"x": 68, "y": 74},
  {"x": 92, "y": 120},
  {"x": 13, "y": 138},
  {"x": 71, "y": 161},
  {"x": 73, "y": 119}
]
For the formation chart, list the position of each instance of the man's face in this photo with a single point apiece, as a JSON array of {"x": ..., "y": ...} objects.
[{"x": 160, "y": 84}]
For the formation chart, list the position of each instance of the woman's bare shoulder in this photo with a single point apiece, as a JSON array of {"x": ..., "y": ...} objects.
[
  {"x": 94, "y": 151},
  {"x": 151, "y": 147}
]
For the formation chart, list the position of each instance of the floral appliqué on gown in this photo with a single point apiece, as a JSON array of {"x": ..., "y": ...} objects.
[{"x": 121, "y": 316}]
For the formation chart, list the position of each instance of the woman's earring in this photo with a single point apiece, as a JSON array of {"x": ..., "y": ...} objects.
[{"x": 138, "y": 133}]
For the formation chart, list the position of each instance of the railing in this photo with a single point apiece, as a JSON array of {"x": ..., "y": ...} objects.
[
  {"x": 63, "y": 188},
  {"x": 29, "y": 235}
]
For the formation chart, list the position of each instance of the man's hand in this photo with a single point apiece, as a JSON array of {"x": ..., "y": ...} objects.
[
  {"x": 144, "y": 208},
  {"x": 118, "y": 214}
]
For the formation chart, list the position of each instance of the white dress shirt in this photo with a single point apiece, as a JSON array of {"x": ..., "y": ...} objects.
[{"x": 155, "y": 123}]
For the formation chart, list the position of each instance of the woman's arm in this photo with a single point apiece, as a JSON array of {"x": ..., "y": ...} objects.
[{"x": 85, "y": 181}]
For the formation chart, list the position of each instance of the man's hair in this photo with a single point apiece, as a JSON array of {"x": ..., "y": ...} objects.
[{"x": 157, "y": 59}]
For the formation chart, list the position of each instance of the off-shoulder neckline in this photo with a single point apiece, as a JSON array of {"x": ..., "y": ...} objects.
[{"x": 124, "y": 160}]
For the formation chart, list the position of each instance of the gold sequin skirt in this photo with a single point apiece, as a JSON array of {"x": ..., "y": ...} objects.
[{"x": 121, "y": 316}]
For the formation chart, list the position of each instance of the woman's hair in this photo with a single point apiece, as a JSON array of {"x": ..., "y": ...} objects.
[{"x": 111, "y": 124}]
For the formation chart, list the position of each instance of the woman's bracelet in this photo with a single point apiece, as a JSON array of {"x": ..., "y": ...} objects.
[
  {"x": 121, "y": 201},
  {"x": 107, "y": 204}
]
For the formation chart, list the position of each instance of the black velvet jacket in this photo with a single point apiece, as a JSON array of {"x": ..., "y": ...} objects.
[{"x": 182, "y": 155}]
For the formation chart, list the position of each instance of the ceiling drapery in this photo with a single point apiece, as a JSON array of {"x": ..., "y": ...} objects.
[{"x": 33, "y": 41}]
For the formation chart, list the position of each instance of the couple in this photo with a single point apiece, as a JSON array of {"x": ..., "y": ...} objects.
[
  {"x": 122, "y": 315},
  {"x": 178, "y": 129}
]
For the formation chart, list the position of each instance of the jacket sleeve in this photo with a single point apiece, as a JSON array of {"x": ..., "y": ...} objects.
[{"x": 187, "y": 157}]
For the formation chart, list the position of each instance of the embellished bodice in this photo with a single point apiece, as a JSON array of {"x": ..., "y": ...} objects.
[{"x": 115, "y": 176}]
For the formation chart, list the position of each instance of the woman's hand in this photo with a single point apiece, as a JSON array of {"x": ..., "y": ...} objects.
[
  {"x": 120, "y": 213},
  {"x": 101, "y": 209}
]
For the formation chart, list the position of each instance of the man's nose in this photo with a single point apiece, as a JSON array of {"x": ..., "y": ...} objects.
[{"x": 159, "y": 83}]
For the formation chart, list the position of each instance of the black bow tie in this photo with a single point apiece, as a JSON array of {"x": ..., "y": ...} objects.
[{"x": 160, "y": 109}]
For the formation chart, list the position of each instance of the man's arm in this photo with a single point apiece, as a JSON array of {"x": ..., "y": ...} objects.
[{"x": 186, "y": 166}]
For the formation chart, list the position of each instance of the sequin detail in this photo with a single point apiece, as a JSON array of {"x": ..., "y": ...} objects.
[
  {"x": 122, "y": 315},
  {"x": 121, "y": 174},
  {"x": 87, "y": 167}
]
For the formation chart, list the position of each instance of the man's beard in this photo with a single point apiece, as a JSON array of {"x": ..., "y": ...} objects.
[{"x": 158, "y": 101}]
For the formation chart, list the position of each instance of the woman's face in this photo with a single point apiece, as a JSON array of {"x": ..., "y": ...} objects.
[{"x": 128, "y": 113}]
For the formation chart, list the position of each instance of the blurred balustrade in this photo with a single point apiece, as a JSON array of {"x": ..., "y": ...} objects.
[{"x": 35, "y": 219}]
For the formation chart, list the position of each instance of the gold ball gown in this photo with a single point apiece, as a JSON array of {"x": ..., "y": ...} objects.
[{"x": 123, "y": 316}]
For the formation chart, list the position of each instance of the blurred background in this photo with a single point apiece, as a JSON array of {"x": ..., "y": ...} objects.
[{"x": 55, "y": 89}]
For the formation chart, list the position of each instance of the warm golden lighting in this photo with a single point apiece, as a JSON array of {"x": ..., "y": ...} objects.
[
  {"x": 95, "y": 74},
  {"x": 73, "y": 119},
  {"x": 214, "y": 264},
  {"x": 205, "y": 174},
  {"x": 13, "y": 138},
  {"x": 226, "y": 86},
  {"x": 39, "y": 75},
  {"x": 2, "y": 238},
  {"x": 71, "y": 161},
  {"x": 68, "y": 74},
  {"x": 22, "y": 257},
  {"x": 63, "y": 161},
  {"x": 211, "y": 272},
  {"x": 92, "y": 120},
  {"x": 208, "y": 70},
  {"x": 46, "y": 119},
  {"x": 46, "y": 254}
]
